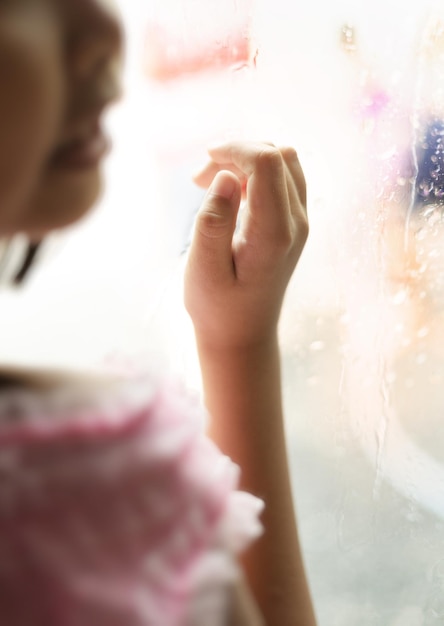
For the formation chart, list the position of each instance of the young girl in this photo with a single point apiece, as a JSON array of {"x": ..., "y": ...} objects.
[{"x": 115, "y": 509}]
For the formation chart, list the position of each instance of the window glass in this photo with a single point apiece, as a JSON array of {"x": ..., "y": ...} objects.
[{"x": 358, "y": 89}]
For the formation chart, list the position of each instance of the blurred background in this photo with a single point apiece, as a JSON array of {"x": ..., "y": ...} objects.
[{"x": 358, "y": 88}]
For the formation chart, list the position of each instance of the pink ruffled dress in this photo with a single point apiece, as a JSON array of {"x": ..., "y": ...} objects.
[{"x": 116, "y": 510}]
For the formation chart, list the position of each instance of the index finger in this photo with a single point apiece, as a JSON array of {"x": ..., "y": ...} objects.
[
  {"x": 265, "y": 168},
  {"x": 292, "y": 160},
  {"x": 245, "y": 156}
]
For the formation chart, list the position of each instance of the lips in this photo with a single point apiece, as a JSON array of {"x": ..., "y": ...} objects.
[{"x": 82, "y": 151}]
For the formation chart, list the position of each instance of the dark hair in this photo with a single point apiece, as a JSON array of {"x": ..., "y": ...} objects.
[
  {"x": 27, "y": 263},
  {"x": 17, "y": 258}
]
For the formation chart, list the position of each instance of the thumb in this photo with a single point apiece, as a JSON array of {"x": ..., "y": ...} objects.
[{"x": 215, "y": 225}]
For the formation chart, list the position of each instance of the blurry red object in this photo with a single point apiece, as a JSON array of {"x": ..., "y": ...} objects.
[{"x": 198, "y": 41}]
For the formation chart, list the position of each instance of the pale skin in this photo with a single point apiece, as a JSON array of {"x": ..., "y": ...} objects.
[
  {"x": 58, "y": 61},
  {"x": 234, "y": 288}
]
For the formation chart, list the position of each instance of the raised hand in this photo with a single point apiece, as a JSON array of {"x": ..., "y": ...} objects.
[
  {"x": 234, "y": 286},
  {"x": 235, "y": 281}
]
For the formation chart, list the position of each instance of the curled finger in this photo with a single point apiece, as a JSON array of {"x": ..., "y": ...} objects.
[
  {"x": 205, "y": 176},
  {"x": 293, "y": 164}
]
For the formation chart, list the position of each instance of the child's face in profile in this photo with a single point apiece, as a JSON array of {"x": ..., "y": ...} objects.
[{"x": 59, "y": 64}]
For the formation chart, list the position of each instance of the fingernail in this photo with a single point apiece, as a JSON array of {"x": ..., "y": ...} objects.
[{"x": 223, "y": 186}]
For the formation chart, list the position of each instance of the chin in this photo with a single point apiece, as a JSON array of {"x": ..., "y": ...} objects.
[{"x": 63, "y": 203}]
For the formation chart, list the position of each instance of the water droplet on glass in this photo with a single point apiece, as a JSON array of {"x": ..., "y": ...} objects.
[
  {"x": 421, "y": 234},
  {"x": 317, "y": 346},
  {"x": 429, "y": 211},
  {"x": 400, "y": 297},
  {"x": 391, "y": 377},
  {"x": 348, "y": 38},
  {"x": 425, "y": 188},
  {"x": 388, "y": 154},
  {"x": 421, "y": 358}
]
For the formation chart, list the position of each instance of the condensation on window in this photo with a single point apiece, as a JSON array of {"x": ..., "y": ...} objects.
[{"x": 358, "y": 88}]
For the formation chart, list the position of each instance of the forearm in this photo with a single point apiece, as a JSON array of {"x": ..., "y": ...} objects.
[
  {"x": 234, "y": 287},
  {"x": 243, "y": 395}
]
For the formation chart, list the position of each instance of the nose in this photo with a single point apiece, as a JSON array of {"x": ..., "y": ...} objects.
[{"x": 97, "y": 38}]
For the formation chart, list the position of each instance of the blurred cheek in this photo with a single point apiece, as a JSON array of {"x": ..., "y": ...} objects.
[
  {"x": 21, "y": 154},
  {"x": 61, "y": 199},
  {"x": 30, "y": 115}
]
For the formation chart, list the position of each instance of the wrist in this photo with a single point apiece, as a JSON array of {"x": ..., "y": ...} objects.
[{"x": 237, "y": 350}]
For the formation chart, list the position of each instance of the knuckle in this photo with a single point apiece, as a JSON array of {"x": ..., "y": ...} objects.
[
  {"x": 289, "y": 153},
  {"x": 301, "y": 186},
  {"x": 278, "y": 251},
  {"x": 303, "y": 228},
  {"x": 283, "y": 239},
  {"x": 269, "y": 159},
  {"x": 286, "y": 242},
  {"x": 212, "y": 224}
]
